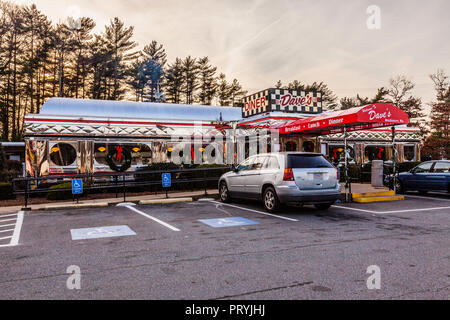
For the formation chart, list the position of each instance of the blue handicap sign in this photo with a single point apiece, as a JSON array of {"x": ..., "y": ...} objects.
[
  {"x": 229, "y": 222},
  {"x": 77, "y": 186},
  {"x": 166, "y": 180}
]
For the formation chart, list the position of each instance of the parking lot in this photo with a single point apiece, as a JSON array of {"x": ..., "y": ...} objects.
[{"x": 209, "y": 250}]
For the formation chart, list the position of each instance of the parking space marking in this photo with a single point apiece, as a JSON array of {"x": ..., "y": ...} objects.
[
  {"x": 152, "y": 218},
  {"x": 15, "y": 236},
  {"x": 7, "y": 225},
  {"x": 229, "y": 222},
  {"x": 6, "y": 220},
  {"x": 8, "y": 215},
  {"x": 390, "y": 212},
  {"x": 256, "y": 211},
  {"x": 18, "y": 228},
  {"x": 427, "y": 198}
]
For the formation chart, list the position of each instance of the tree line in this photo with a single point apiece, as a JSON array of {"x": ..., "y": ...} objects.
[
  {"x": 399, "y": 92},
  {"x": 39, "y": 60}
]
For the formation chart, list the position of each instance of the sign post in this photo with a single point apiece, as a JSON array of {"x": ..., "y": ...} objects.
[
  {"x": 77, "y": 187},
  {"x": 166, "y": 182}
]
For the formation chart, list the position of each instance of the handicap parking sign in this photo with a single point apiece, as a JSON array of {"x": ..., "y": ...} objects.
[
  {"x": 229, "y": 222},
  {"x": 166, "y": 180},
  {"x": 77, "y": 186}
]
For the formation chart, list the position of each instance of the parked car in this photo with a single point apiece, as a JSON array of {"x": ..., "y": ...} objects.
[
  {"x": 283, "y": 178},
  {"x": 428, "y": 176}
]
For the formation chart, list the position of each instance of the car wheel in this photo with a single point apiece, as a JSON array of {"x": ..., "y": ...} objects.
[
  {"x": 399, "y": 187},
  {"x": 270, "y": 200},
  {"x": 323, "y": 206},
  {"x": 224, "y": 193}
]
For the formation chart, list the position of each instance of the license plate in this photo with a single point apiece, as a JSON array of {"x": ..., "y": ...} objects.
[{"x": 317, "y": 176}]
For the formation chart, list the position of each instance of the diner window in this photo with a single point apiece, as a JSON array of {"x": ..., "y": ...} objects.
[
  {"x": 309, "y": 146},
  {"x": 100, "y": 153},
  {"x": 63, "y": 155},
  {"x": 337, "y": 153},
  {"x": 410, "y": 153},
  {"x": 378, "y": 153},
  {"x": 291, "y": 146},
  {"x": 140, "y": 154}
]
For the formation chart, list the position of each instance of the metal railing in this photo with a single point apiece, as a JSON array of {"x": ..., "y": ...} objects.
[{"x": 121, "y": 183}]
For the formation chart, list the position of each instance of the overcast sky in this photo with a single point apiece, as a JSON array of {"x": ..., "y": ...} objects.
[{"x": 262, "y": 41}]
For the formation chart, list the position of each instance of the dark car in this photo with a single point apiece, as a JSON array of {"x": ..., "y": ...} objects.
[{"x": 428, "y": 176}]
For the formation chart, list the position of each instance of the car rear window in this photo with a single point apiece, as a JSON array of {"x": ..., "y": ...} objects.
[{"x": 298, "y": 161}]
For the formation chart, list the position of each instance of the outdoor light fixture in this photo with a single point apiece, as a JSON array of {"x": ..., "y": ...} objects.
[
  {"x": 136, "y": 149},
  {"x": 102, "y": 149},
  {"x": 54, "y": 149}
]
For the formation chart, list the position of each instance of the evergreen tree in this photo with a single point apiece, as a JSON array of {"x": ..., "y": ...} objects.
[
  {"x": 174, "y": 80},
  {"x": 207, "y": 81},
  {"x": 119, "y": 44},
  {"x": 190, "y": 84}
]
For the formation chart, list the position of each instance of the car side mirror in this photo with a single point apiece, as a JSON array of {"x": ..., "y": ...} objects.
[
  {"x": 413, "y": 171},
  {"x": 235, "y": 168}
]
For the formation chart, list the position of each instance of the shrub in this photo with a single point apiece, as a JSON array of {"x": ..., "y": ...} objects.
[
  {"x": 62, "y": 191},
  {"x": 6, "y": 191}
]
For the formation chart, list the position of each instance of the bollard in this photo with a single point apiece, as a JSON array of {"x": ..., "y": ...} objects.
[{"x": 377, "y": 173}]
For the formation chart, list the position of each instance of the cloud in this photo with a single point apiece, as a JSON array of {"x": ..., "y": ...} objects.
[{"x": 260, "y": 42}]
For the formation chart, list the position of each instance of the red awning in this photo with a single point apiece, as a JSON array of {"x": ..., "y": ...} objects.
[{"x": 362, "y": 118}]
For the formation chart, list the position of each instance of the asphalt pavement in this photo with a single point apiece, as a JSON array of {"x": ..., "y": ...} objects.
[{"x": 208, "y": 250}]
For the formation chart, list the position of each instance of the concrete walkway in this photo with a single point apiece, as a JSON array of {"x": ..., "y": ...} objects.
[{"x": 356, "y": 188}]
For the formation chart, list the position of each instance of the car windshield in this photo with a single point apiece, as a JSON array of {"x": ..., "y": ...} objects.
[{"x": 298, "y": 161}]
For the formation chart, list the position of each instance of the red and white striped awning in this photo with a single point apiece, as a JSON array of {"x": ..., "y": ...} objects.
[{"x": 376, "y": 115}]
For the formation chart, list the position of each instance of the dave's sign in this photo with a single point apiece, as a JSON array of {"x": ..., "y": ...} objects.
[{"x": 282, "y": 100}]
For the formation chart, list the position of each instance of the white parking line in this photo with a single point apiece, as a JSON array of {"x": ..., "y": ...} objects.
[
  {"x": 153, "y": 218},
  {"x": 18, "y": 228},
  {"x": 427, "y": 198},
  {"x": 8, "y": 220},
  {"x": 7, "y": 225},
  {"x": 389, "y": 212},
  {"x": 8, "y": 215},
  {"x": 255, "y": 211},
  {"x": 16, "y": 231}
]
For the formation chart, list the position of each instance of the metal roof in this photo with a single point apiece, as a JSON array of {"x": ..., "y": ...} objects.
[{"x": 66, "y": 107}]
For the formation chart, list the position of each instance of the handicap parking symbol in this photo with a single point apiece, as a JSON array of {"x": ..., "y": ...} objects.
[
  {"x": 229, "y": 222},
  {"x": 101, "y": 232},
  {"x": 166, "y": 180},
  {"x": 77, "y": 186}
]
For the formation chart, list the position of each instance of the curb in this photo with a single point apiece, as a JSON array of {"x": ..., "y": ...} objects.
[
  {"x": 165, "y": 201},
  {"x": 75, "y": 206}
]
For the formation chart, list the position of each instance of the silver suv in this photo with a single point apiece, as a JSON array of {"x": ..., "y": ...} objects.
[{"x": 283, "y": 178}]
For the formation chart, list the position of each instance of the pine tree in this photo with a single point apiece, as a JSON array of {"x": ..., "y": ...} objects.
[
  {"x": 223, "y": 91},
  {"x": 174, "y": 80},
  {"x": 119, "y": 44},
  {"x": 237, "y": 94},
  {"x": 207, "y": 81},
  {"x": 190, "y": 84}
]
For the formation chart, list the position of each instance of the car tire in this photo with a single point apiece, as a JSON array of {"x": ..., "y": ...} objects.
[
  {"x": 323, "y": 206},
  {"x": 400, "y": 187},
  {"x": 270, "y": 200},
  {"x": 224, "y": 193}
]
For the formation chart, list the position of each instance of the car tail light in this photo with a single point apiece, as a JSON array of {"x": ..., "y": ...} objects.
[{"x": 288, "y": 175}]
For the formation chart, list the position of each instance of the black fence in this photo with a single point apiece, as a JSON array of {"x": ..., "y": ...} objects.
[{"x": 60, "y": 187}]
